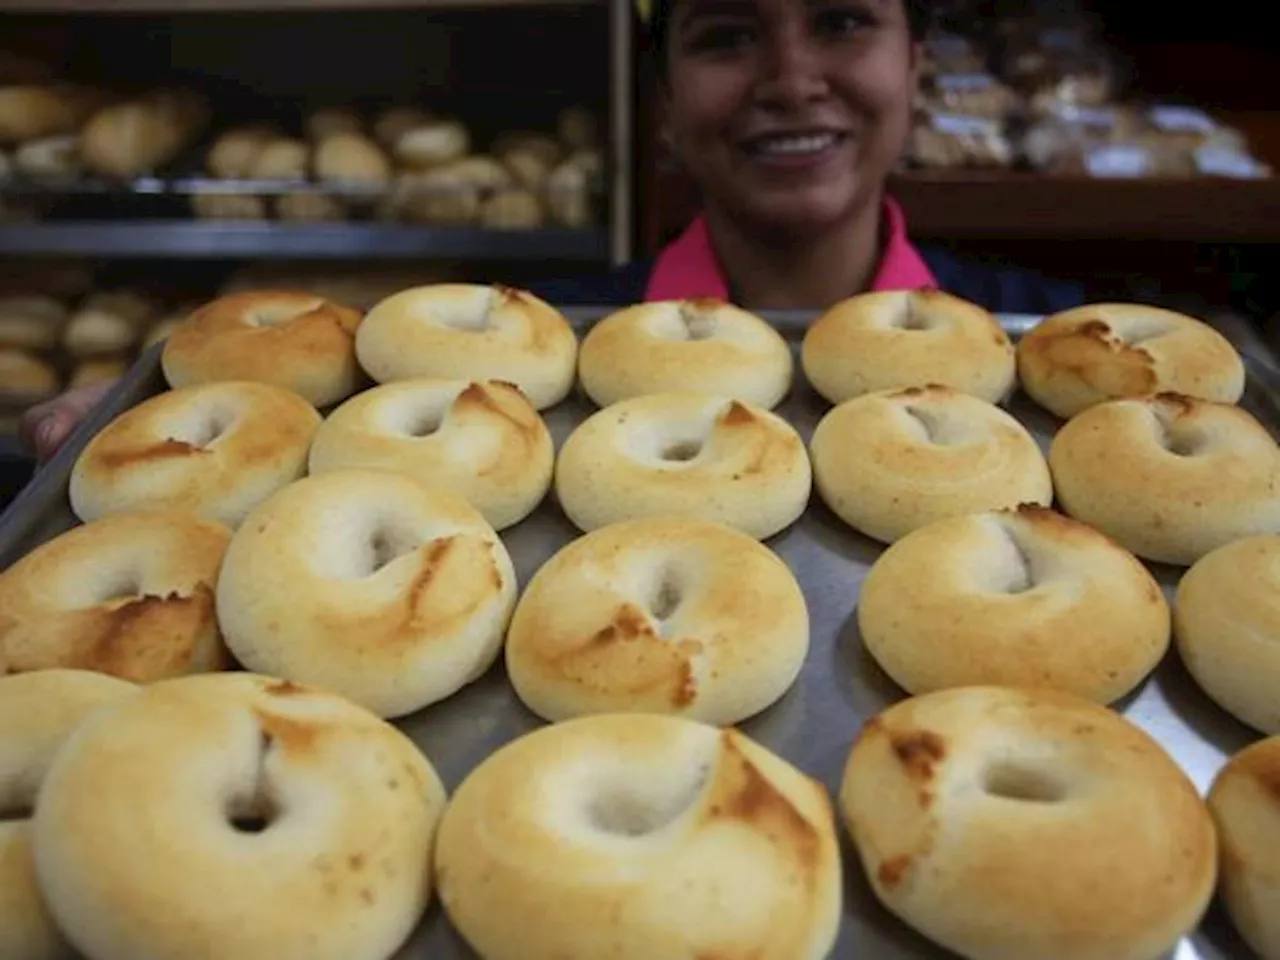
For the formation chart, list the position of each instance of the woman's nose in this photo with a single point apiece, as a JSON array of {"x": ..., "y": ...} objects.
[{"x": 792, "y": 72}]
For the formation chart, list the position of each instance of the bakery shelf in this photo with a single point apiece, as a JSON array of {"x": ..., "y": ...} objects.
[
  {"x": 970, "y": 206},
  {"x": 264, "y": 6},
  {"x": 219, "y": 240}
]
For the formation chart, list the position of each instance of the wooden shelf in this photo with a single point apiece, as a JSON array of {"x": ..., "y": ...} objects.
[
  {"x": 107, "y": 7},
  {"x": 1022, "y": 206},
  {"x": 974, "y": 206},
  {"x": 288, "y": 241}
]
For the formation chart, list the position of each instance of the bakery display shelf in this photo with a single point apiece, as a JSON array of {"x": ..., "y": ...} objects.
[
  {"x": 100, "y": 7},
  {"x": 838, "y": 689},
  {"x": 208, "y": 239},
  {"x": 961, "y": 205}
]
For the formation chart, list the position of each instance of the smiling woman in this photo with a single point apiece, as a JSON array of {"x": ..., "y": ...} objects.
[{"x": 789, "y": 115}]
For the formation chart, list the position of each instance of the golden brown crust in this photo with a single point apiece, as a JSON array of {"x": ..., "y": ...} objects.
[
  {"x": 215, "y": 450},
  {"x": 890, "y": 462},
  {"x": 369, "y": 583},
  {"x": 667, "y": 616},
  {"x": 1168, "y": 477},
  {"x": 298, "y": 341},
  {"x": 469, "y": 331},
  {"x": 129, "y": 595},
  {"x": 1004, "y": 822},
  {"x": 1227, "y": 623},
  {"x": 684, "y": 455},
  {"x": 1245, "y": 801},
  {"x": 1018, "y": 597},
  {"x": 481, "y": 440},
  {"x": 583, "y": 832},
  {"x": 700, "y": 345},
  {"x": 890, "y": 340},
  {"x": 1099, "y": 352},
  {"x": 346, "y": 810}
]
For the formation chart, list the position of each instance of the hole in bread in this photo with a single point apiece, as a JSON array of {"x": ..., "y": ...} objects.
[
  {"x": 254, "y": 810},
  {"x": 1026, "y": 784},
  {"x": 423, "y": 423},
  {"x": 681, "y": 451},
  {"x": 910, "y": 317},
  {"x": 204, "y": 430},
  {"x": 698, "y": 324},
  {"x": 640, "y": 809},
  {"x": 1178, "y": 438},
  {"x": 1015, "y": 572},
  {"x": 14, "y": 812},
  {"x": 385, "y": 546},
  {"x": 123, "y": 584},
  {"x": 664, "y": 601},
  {"x": 933, "y": 429},
  {"x": 1138, "y": 330},
  {"x": 275, "y": 312}
]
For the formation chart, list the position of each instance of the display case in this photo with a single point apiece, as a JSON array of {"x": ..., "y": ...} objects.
[{"x": 441, "y": 130}]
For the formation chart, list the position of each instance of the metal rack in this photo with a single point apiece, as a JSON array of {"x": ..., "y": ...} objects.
[{"x": 131, "y": 220}]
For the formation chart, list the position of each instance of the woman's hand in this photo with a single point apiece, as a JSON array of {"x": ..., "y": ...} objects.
[{"x": 46, "y": 426}]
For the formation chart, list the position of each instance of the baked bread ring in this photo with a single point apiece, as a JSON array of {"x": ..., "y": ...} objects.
[
  {"x": 480, "y": 440},
  {"x": 892, "y": 340},
  {"x": 215, "y": 450},
  {"x": 38, "y": 711},
  {"x": 1227, "y": 624},
  {"x": 473, "y": 332},
  {"x": 388, "y": 592},
  {"x": 1017, "y": 597},
  {"x": 294, "y": 340},
  {"x": 280, "y": 821},
  {"x": 1245, "y": 803},
  {"x": 683, "y": 617},
  {"x": 1105, "y": 351},
  {"x": 639, "y": 836},
  {"x": 684, "y": 455},
  {"x": 1169, "y": 478},
  {"x": 698, "y": 346},
  {"x": 130, "y": 595},
  {"x": 1004, "y": 823},
  {"x": 890, "y": 462}
]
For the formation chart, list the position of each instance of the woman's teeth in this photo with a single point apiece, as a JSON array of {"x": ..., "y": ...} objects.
[{"x": 796, "y": 145}]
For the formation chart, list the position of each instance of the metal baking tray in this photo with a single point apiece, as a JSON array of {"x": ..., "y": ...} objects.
[{"x": 814, "y": 724}]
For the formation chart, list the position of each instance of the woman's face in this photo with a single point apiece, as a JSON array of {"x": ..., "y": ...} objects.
[{"x": 789, "y": 114}]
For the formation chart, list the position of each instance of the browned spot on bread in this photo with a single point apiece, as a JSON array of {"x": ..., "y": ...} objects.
[
  {"x": 165, "y": 449},
  {"x": 455, "y": 576},
  {"x": 628, "y": 658},
  {"x": 737, "y": 414},
  {"x": 1089, "y": 352},
  {"x": 284, "y": 688},
  {"x": 918, "y": 751},
  {"x": 891, "y": 871},
  {"x": 355, "y": 862},
  {"x": 686, "y": 690},
  {"x": 367, "y": 896},
  {"x": 145, "y": 638},
  {"x": 742, "y": 792},
  {"x": 292, "y": 736},
  {"x": 475, "y": 395},
  {"x": 629, "y": 623},
  {"x": 1182, "y": 404},
  {"x": 511, "y": 293}
]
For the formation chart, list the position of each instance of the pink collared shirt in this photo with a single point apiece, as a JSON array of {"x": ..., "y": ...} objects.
[{"x": 687, "y": 268}]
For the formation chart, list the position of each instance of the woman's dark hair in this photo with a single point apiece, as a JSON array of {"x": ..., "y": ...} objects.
[{"x": 919, "y": 18}]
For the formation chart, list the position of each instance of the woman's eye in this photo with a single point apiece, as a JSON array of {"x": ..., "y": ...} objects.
[
  {"x": 722, "y": 37},
  {"x": 840, "y": 23}
]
